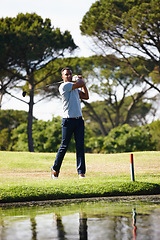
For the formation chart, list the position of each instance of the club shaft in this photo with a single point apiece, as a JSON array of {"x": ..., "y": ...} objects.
[{"x": 36, "y": 89}]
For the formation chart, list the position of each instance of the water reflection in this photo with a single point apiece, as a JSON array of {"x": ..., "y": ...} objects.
[
  {"x": 33, "y": 228},
  {"x": 134, "y": 223},
  {"x": 83, "y": 221},
  {"x": 61, "y": 234},
  {"x": 60, "y": 227},
  {"x": 83, "y": 235}
]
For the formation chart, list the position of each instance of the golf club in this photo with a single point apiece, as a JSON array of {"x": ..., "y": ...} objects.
[
  {"x": 36, "y": 89},
  {"x": 74, "y": 79}
]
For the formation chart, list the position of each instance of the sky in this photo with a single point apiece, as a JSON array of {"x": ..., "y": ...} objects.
[{"x": 64, "y": 14}]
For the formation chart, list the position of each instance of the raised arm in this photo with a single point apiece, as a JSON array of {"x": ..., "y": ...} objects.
[{"x": 83, "y": 94}]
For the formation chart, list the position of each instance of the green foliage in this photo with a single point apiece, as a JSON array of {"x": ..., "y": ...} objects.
[
  {"x": 108, "y": 115},
  {"x": 28, "y": 39},
  {"x": 114, "y": 21},
  {"x": 78, "y": 66},
  {"x": 155, "y": 74},
  {"x": 12, "y": 118},
  {"x": 27, "y": 45},
  {"x": 9, "y": 120},
  {"x": 19, "y": 140},
  {"x": 4, "y": 139},
  {"x": 47, "y": 136},
  {"x": 110, "y": 78},
  {"x": 155, "y": 132},
  {"x": 112, "y": 25},
  {"x": 94, "y": 144},
  {"x": 123, "y": 139},
  {"x": 144, "y": 24},
  {"x": 127, "y": 139}
]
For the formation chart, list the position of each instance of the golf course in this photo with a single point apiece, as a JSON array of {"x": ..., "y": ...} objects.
[{"x": 26, "y": 176}]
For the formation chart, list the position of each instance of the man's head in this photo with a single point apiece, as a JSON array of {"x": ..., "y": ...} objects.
[{"x": 66, "y": 74}]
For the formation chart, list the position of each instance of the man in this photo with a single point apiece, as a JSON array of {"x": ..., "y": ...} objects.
[{"x": 72, "y": 121}]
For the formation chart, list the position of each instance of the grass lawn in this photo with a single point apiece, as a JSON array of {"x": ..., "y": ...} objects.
[{"x": 26, "y": 176}]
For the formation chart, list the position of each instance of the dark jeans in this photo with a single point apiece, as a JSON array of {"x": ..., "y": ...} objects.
[{"x": 70, "y": 126}]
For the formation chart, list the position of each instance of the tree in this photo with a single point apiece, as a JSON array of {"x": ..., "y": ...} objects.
[
  {"x": 121, "y": 90},
  {"x": 108, "y": 117},
  {"x": 28, "y": 44},
  {"x": 112, "y": 26}
]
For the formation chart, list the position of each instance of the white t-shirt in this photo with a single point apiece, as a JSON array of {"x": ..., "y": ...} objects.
[{"x": 70, "y": 100}]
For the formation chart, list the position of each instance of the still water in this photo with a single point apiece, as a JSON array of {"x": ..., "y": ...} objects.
[{"x": 93, "y": 220}]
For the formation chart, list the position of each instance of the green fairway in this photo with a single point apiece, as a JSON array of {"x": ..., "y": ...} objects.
[{"x": 26, "y": 176}]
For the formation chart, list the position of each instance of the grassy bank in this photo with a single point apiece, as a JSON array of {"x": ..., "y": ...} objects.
[{"x": 26, "y": 176}]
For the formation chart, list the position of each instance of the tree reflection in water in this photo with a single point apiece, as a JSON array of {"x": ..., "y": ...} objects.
[
  {"x": 33, "y": 228},
  {"x": 82, "y": 227},
  {"x": 60, "y": 227},
  {"x": 83, "y": 235},
  {"x": 111, "y": 222}
]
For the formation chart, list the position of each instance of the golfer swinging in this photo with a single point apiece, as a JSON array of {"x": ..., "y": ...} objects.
[{"x": 72, "y": 121}]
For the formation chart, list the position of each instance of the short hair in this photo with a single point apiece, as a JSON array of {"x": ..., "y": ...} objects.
[{"x": 66, "y": 68}]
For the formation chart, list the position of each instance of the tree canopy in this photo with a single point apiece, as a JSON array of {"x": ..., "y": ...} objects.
[
  {"x": 131, "y": 28},
  {"x": 27, "y": 45},
  {"x": 29, "y": 42}
]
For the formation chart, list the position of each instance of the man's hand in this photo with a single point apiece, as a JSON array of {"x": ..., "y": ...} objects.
[
  {"x": 79, "y": 84},
  {"x": 80, "y": 77},
  {"x": 83, "y": 94}
]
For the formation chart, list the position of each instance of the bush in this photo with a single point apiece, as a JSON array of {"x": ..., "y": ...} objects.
[
  {"x": 19, "y": 141},
  {"x": 4, "y": 139},
  {"x": 94, "y": 144},
  {"x": 46, "y": 136},
  {"x": 155, "y": 132},
  {"x": 127, "y": 139}
]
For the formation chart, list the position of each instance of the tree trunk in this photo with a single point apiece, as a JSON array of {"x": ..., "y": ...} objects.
[
  {"x": 1, "y": 96},
  {"x": 131, "y": 107},
  {"x": 30, "y": 119},
  {"x": 96, "y": 118}
]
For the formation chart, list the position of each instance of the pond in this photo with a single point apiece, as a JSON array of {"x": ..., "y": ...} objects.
[{"x": 82, "y": 219}]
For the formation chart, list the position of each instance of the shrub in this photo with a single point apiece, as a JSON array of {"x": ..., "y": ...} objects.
[{"x": 127, "y": 139}]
